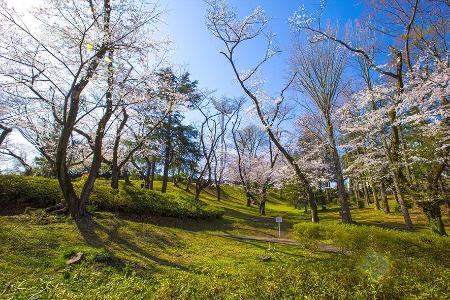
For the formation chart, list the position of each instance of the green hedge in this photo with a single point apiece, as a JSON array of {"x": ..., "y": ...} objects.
[
  {"x": 31, "y": 191},
  {"x": 42, "y": 192}
]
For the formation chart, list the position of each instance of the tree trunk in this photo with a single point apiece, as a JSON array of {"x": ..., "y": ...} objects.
[
  {"x": 394, "y": 193},
  {"x": 444, "y": 196},
  {"x": 126, "y": 177},
  {"x": 312, "y": 204},
  {"x": 262, "y": 203},
  {"x": 343, "y": 199},
  {"x": 375, "y": 196},
  {"x": 408, "y": 223},
  {"x": 262, "y": 208},
  {"x": 97, "y": 157},
  {"x": 115, "y": 166},
  {"x": 188, "y": 183},
  {"x": 432, "y": 210},
  {"x": 167, "y": 153},
  {"x": 366, "y": 194},
  {"x": 5, "y": 132},
  {"x": 249, "y": 198},
  {"x": 384, "y": 198},
  {"x": 359, "y": 203},
  {"x": 198, "y": 190},
  {"x": 152, "y": 175},
  {"x": 218, "y": 193},
  {"x": 115, "y": 173}
]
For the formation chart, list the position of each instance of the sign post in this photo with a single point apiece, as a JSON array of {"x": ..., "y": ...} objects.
[{"x": 279, "y": 220}]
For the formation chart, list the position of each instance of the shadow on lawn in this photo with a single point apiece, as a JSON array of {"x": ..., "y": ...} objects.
[{"x": 88, "y": 226}]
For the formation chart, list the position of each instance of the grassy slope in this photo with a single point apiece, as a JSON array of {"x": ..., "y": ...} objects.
[{"x": 169, "y": 258}]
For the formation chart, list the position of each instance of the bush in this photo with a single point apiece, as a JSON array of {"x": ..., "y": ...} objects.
[
  {"x": 358, "y": 239},
  {"x": 42, "y": 192},
  {"x": 29, "y": 191}
]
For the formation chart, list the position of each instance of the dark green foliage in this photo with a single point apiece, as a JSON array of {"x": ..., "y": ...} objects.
[
  {"x": 42, "y": 192},
  {"x": 29, "y": 191}
]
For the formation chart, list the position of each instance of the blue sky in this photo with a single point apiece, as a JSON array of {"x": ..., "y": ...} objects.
[{"x": 198, "y": 51}]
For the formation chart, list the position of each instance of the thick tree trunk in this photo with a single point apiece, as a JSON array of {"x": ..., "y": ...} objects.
[
  {"x": 115, "y": 174},
  {"x": 343, "y": 198},
  {"x": 375, "y": 196},
  {"x": 384, "y": 198}
]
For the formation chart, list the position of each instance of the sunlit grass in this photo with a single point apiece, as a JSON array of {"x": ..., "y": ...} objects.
[{"x": 171, "y": 258}]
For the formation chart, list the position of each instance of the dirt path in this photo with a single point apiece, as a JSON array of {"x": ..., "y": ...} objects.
[
  {"x": 321, "y": 247},
  {"x": 261, "y": 239}
]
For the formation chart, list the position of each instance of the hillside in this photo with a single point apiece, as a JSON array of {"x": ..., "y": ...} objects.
[{"x": 155, "y": 257}]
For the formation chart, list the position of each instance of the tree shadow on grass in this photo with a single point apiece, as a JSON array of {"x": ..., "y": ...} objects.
[{"x": 88, "y": 226}]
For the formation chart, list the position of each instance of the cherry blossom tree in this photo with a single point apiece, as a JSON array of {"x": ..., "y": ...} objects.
[
  {"x": 224, "y": 23},
  {"x": 58, "y": 70}
]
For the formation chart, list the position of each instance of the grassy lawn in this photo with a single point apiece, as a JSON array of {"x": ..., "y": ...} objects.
[{"x": 132, "y": 257}]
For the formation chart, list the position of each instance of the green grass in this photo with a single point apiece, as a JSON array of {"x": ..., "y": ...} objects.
[{"x": 155, "y": 257}]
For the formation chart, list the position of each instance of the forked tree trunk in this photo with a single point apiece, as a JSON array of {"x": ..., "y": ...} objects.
[{"x": 98, "y": 143}]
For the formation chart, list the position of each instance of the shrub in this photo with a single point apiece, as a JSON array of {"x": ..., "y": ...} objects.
[
  {"x": 29, "y": 191},
  {"x": 362, "y": 239},
  {"x": 42, "y": 192}
]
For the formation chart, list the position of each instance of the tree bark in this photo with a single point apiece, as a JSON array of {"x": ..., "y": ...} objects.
[
  {"x": 432, "y": 210},
  {"x": 375, "y": 196},
  {"x": 115, "y": 167},
  {"x": 343, "y": 198},
  {"x": 384, "y": 198},
  {"x": 167, "y": 154},
  {"x": 98, "y": 143},
  {"x": 366, "y": 193},
  {"x": 5, "y": 132},
  {"x": 408, "y": 223}
]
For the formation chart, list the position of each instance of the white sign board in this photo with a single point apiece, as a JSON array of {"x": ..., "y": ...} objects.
[{"x": 279, "y": 219}]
